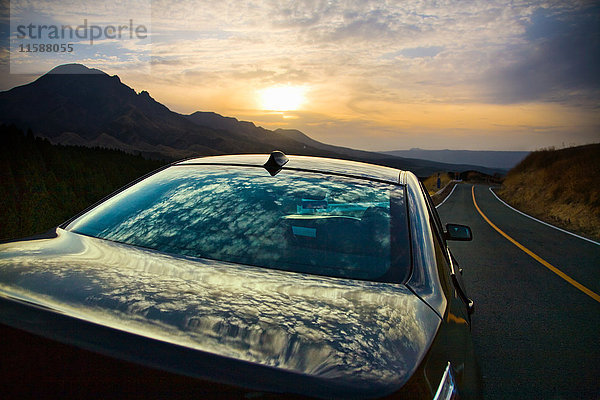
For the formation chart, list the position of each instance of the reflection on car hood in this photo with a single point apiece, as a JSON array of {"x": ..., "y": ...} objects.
[{"x": 365, "y": 333}]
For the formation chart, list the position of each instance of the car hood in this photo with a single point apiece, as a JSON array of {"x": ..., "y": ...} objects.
[{"x": 365, "y": 334}]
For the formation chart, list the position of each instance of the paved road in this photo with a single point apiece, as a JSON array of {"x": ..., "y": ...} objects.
[{"x": 536, "y": 335}]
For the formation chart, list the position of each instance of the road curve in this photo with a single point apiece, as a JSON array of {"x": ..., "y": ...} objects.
[{"x": 535, "y": 333}]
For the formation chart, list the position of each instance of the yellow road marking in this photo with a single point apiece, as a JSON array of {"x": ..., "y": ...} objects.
[{"x": 535, "y": 256}]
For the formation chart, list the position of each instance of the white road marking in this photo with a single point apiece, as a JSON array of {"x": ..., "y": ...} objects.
[
  {"x": 539, "y": 259},
  {"x": 447, "y": 196},
  {"x": 444, "y": 188},
  {"x": 541, "y": 222}
]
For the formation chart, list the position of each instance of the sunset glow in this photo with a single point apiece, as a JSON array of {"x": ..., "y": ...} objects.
[{"x": 282, "y": 98}]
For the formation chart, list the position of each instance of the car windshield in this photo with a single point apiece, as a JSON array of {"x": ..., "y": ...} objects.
[{"x": 297, "y": 221}]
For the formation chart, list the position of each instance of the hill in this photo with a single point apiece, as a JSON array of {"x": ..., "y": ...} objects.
[
  {"x": 490, "y": 159},
  {"x": 558, "y": 186},
  {"x": 76, "y": 105}
]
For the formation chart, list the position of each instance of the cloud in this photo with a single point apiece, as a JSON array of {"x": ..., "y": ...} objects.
[
  {"x": 415, "y": 52},
  {"x": 558, "y": 61},
  {"x": 367, "y": 61},
  {"x": 375, "y": 25}
]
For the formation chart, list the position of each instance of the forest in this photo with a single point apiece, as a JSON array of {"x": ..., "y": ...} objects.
[{"x": 43, "y": 185}]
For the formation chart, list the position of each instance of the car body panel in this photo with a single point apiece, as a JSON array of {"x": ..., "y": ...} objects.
[
  {"x": 307, "y": 163},
  {"x": 369, "y": 336},
  {"x": 424, "y": 279},
  {"x": 262, "y": 330}
]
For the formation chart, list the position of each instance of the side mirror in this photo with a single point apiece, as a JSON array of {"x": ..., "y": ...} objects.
[{"x": 458, "y": 232}]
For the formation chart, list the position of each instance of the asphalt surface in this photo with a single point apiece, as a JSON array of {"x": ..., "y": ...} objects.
[{"x": 536, "y": 335}]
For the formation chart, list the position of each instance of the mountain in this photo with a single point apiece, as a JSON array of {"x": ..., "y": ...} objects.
[
  {"x": 217, "y": 121},
  {"x": 491, "y": 159},
  {"x": 313, "y": 147},
  {"x": 82, "y": 106},
  {"x": 76, "y": 105}
]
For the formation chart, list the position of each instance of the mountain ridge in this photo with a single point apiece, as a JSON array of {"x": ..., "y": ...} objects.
[
  {"x": 487, "y": 158},
  {"x": 78, "y": 105}
]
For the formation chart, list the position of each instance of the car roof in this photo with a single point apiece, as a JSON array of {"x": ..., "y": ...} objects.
[{"x": 308, "y": 163}]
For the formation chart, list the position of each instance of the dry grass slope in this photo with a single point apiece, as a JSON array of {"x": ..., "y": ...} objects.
[
  {"x": 561, "y": 187},
  {"x": 431, "y": 182}
]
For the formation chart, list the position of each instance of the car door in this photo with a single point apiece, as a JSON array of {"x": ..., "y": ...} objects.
[{"x": 449, "y": 264}]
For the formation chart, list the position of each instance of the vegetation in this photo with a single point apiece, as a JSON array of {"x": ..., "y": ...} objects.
[
  {"x": 431, "y": 182},
  {"x": 480, "y": 177},
  {"x": 42, "y": 185},
  {"x": 559, "y": 186}
]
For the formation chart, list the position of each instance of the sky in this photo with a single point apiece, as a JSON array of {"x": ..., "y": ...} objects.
[{"x": 374, "y": 75}]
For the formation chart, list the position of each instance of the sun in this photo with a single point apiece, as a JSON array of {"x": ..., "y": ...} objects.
[{"x": 282, "y": 98}]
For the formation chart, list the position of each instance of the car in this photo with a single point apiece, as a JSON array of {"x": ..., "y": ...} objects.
[{"x": 243, "y": 276}]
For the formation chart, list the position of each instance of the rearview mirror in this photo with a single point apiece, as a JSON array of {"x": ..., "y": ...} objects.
[{"x": 458, "y": 232}]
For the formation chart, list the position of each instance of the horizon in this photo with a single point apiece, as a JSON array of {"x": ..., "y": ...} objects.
[
  {"x": 563, "y": 145},
  {"x": 366, "y": 76}
]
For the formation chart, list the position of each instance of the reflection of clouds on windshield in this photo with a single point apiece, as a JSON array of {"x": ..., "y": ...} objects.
[
  {"x": 364, "y": 332},
  {"x": 236, "y": 214}
]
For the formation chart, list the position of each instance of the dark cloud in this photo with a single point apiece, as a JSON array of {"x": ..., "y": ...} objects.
[{"x": 560, "y": 60}]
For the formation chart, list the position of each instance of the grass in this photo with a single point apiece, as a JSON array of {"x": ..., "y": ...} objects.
[
  {"x": 561, "y": 187},
  {"x": 431, "y": 182}
]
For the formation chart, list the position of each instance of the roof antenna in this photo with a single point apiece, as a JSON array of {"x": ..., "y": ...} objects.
[{"x": 275, "y": 162}]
